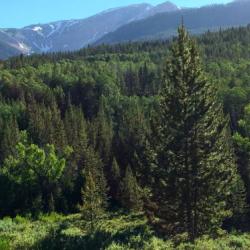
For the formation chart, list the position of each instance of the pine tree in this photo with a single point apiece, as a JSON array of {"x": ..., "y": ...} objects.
[
  {"x": 94, "y": 193},
  {"x": 46, "y": 125},
  {"x": 76, "y": 134},
  {"x": 93, "y": 164},
  {"x": 9, "y": 136},
  {"x": 36, "y": 126},
  {"x": 131, "y": 192},
  {"x": 57, "y": 136},
  {"x": 102, "y": 133},
  {"x": 131, "y": 81},
  {"x": 92, "y": 207},
  {"x": 115, "y": 181},
  {"x": 242, "y": 143},
  {"x": 194, "y": 173},
  {"x": 131, "y": 132},
  {"x": 145, "y": 80}
]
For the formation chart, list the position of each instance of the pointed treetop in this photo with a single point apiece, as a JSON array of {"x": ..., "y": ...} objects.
[{"x": 182, "y": 21}]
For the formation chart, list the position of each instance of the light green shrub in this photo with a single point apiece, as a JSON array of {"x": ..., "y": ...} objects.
[
  {"x": 4, "y": 244},
  {"x": 114, "y": 232}
]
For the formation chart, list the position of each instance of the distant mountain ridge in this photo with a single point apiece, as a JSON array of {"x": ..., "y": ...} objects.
[
  {"x": 197, "y": 20},
  {"x": 130, "y": 23},
  {"x": 73, "y": 34}
]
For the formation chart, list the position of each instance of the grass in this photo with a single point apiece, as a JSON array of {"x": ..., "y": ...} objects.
[{"x": 116, "y": 232}]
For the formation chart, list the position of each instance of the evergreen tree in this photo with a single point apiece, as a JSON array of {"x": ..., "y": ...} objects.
[
  {"x": 102, "y": 133},
  {"x": 76, "y": 134},
  {"x": 56, "y": 126},
  {"x": 46, "y": 125},
  {"x": 9, "y": 136},
  {"x": 94, "y": 165},
  {"x": 131, "y": 81},
  {"x": 194, "y": 173},
  {"x": 146, "y": 81},
  {"x": 92, "y": 207},
  {"x": 94, "y": 193},
  {"x": 115, "y": 181},
  {"x": 242, "y": 141},
  {"x": 131, "y": 192},
  {"x": 36, "y": 126},
  {"x": 132, "y": 128}
]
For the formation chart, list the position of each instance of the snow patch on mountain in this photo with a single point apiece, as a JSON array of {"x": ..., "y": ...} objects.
[
  {"x": 21, "y": 45},
  {"x": 37, "y": 28},
  {"x": 55, "y": 27}
]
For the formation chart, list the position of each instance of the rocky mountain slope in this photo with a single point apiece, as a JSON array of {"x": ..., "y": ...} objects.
[{"x": 73, "y": 34}]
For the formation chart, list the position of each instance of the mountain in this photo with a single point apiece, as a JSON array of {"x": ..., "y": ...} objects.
[
  {"x": 73, "y": 34},
  {"x": 197, "y": 20},
  {"x": 165, "y": 7},
  {"x": 161, "y": 8},
  {"x": 130, "y": 23},
  {"x": 9, "y": 46}
]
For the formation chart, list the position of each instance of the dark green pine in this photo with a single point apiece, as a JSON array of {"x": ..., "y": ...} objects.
[
  {"x": 131, "y": 192},
  {"x": 194, "y": 174}
]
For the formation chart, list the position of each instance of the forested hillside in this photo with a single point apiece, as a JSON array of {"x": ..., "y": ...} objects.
[{"x": 155, "y": 129}]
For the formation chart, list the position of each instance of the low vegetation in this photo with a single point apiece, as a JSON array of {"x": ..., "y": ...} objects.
[{"x": 113, "y": 232}]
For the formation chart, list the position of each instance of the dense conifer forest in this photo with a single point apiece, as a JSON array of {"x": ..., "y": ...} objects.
[{"x": 132, "y": 146}]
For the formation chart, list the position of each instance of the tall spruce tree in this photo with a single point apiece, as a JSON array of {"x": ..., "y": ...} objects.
[
  {"x": 102, "y": 133},
  {"x": 45, "y": 124},
  {"x": 114, "y": 179},
  {"x": 94, "y": 165},
  {"x": 76, "y": 135},
  {"x": 242, "y": 141},
  {"x": 94, "y": 192},
  {"x": 92, "y": 207},
  {"x": 194, "y": 173},
  {"x": 131, "y": 192},
  {"x": 76, "y": 132},
  {"x": 9, "y": 136}
]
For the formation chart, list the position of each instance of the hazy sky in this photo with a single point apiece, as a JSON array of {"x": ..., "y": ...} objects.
[{"x": 19, "y": 13}]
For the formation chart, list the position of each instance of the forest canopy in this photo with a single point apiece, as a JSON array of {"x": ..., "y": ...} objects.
[{"x": 160, "y": 128}]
